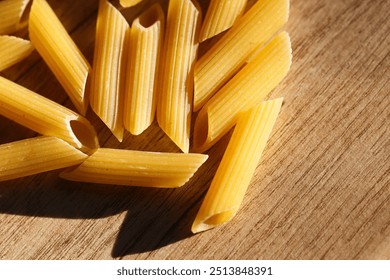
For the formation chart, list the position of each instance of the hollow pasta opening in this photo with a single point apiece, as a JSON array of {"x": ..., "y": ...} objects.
[
  {"x": 25, "y": 14},
  {"x": 201, "y": 130},
  {"x": 220, "y": 218},
  {"x": 85, "y": 134},
  {"x": 150, "y": 17}
]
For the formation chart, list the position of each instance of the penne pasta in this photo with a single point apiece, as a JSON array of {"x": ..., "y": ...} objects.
[
  {"x": 176, "y": 81},
  {"x": 229, "y": 54},
  {"x": 142, "y": 70},
  {"x": 11, "y": 15},
  {"x": 136, "y": 168},
  {"x": 45, "y": 116},
  {"x": 129, "y": 3},
  {"x": 237, "y": 167},
  {"x": 246, "y": 89},
  {"x": 37, "y": 155},
  {"x": 107, "y": 74},
  {"x": 220, "y": 16},
  {"x": 13, "y": 50},
  {"x": 61, "y": 54}
]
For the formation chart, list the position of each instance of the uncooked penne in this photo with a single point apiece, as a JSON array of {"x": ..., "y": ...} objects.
[
  {"x": 146, "y": 37},
  {"x": 176, "y": 80},
  {"x": 246, "y": 89},
  {"x": 11, "y": 15},
  {"x": 238, "y": 165},
  {"x": 220, "y": 16},
  {"x": 136, "y": 168},
  {"x": 229, "y": 54},
  {"x": 109, "y": 67},
  {"x": 129, "y": 3},
  {"x": 59, "y": 51},
  {"x": 45, "y": 116},
  {"x": 13, "y": 50},
  {"x": 36, "y": 155}
]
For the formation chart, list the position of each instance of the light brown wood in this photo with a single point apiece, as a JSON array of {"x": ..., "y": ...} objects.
[{"x": 321, "y": 191}]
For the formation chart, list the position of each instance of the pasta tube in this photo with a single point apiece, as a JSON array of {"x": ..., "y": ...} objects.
[
  {"x": 238, "y": 165},
  {"x": 181, "y": 43},
  {"x": 252, "y": 30},
  {"x": 13, "y": 50},
  {"x": 136, "y": 168},
  {"x": 129, "y": 3},
  {"x": 142, "y": 70},
  {"x": 109, "y": 60},
  {"x": 45, "y": 116},
  {"x": 220, "y": 16},
  {"x": 61, "y": 54},
  {"x": 11, "y": 15},
  {"x": 36, "y": 155},
  {"x": 249, "y": 87}
]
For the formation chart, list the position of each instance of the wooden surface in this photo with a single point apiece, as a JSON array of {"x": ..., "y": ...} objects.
[{"x": 321, "y": 191}]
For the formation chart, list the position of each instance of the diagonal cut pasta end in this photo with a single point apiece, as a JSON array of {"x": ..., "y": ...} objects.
[{"x": 202, "y": 223}]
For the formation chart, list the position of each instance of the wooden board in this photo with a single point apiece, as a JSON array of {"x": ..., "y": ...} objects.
[{"x": 321, "y": 191}]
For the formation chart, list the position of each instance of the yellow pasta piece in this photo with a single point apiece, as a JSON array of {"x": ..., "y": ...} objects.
[
  {"x": 61, "y": 54},
  {"x": 227, "y": 56},
  {"x": 220, "y": 16},
  {"x": 247, "y": 88},
  {"x": 238, "y": 165},
  {"x": 136, "y": 168},
  {"x": 11, "y": 15},
  {"x": 108, "y": 67},
  {"x": 45, "y": 116},
  {"x": 36, "y": 155},
  {"x": 180, "y": 48},
  {"x": 13, "y": 50},
  {"x": 129, "y": 3},
  {"x": 142, "y": 69}
]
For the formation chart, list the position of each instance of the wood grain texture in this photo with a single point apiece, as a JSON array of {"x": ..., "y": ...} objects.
[{"x": 321, "y": 191}]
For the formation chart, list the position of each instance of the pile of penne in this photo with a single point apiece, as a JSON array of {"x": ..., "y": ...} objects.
[{"x": 145, "y": 70}]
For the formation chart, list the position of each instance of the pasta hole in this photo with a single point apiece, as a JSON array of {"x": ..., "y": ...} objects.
[
  {"x": 220, "y": 218},
  {"x": 201, "y": 129},
  {"x": 25, "y": 14},
  {"x": 150, "y": 17},
  {"x": 85, "y": 134}
]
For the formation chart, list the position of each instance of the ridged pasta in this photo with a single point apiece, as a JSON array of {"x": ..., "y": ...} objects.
[
  {"x": 13, "y": 50},
  {"x": 180, "y": 48},
  {"x": 136, "y": 168},
  {"x": 247, "y": 88},
  {"x": 229, "y": 54},
  {"x": 36, "y": 155},
  {"x": 238, "y": 165},
  {"x": 11, "y": 15},
  {"x": 146, "y": 37},
  {"x": 59, "y": 51},
  {"x": 220, "y": 16},
  {"x": 109, "y": 67},
  {"x": 45, "y": 116}
]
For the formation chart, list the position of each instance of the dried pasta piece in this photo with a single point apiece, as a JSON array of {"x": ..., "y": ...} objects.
[
  {"x": 220, "y": 16},
  {"x": 109, "y": 67},
  {"x": 146, "y": 37},
  {"x": 176, "y": 81},
  {"x": 229, "y": 54},
  {"x": 45, "y": 116},
  {"x": 247, "y": 88},
  {"x": 129, "y": 3},
  {"x": 36, "y": 155},
  {"x": 11, "y": 15},
  {"x": 238, "y": 165},
  {"x": 136, "y": 168},
  {"x": 59, "y": 51},
  {"x": 13, "y": 50}
]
